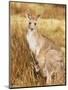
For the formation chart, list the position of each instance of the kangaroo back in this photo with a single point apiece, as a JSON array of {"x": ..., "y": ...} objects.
[{"x": 48, "y": 55}]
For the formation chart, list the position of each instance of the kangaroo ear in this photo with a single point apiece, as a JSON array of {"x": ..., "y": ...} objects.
[
  {"x": 28, "y": 16},
  {"x": 38, "y": 16}
]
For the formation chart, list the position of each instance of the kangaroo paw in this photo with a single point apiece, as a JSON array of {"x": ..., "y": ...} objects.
[{"x": 37, "y": 68}]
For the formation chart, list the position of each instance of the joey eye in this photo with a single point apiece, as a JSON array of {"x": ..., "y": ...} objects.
[
  {"x": 29, "y": 23},
  {"x": 34, "y": 23}
]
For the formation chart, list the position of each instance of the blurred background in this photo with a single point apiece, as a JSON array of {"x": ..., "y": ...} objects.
[
  {"x": 50, "y": 24},
  {"x": 46, "y": 10}
]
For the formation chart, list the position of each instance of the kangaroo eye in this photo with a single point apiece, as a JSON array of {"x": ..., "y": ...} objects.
[
  {"x": 34, "y": 23},
  {"x": 29, "y": 23}
]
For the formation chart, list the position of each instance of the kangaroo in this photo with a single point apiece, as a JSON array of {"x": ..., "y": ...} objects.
[{"x": 47, "y": 54}]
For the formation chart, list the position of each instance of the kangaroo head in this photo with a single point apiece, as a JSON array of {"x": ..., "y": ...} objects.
[{"x": 32, "y": 22}]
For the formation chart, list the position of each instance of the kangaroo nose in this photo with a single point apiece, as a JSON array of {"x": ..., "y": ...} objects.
[{"x": 31, "y": 28}]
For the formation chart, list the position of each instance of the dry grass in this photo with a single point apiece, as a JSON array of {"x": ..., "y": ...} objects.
[{"x": 22, "y": 72}]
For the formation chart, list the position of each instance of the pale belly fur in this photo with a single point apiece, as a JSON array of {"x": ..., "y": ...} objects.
[{"x": 33, "y": 43}]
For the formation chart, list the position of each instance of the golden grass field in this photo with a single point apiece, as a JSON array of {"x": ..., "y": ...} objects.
[{"x": 50, "y": 24}]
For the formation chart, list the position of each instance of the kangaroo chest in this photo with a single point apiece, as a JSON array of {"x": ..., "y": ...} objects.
[{"x": 33, "y": 42}]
